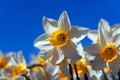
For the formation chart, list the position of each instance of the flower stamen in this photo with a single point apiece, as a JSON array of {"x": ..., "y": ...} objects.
[
  {"x": 3, "y": 63},
  {"x": 17, "y": 70},
  {"x": 82, "y": 66},
  {"x": 109, "y": 53},
  {"x": 59, "y": 38}
]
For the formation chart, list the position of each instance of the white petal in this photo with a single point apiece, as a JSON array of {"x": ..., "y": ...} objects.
[
  {"x": 64, "y": 22},
  {"x": 42, "y": 42},
  {"x": 116, "y": 40},
  {"x": 104, "y": 24},
  {"x": 3, "y": 78},
  {"x": 50, "y": 25},
  {"x": 95, "y": 75},
  {"x": 44, "y": 50},
  {"x": 80, "y": 49},
  {"x": 93, "y": 49},
  {"x": 55, "y": 70},
  {"x": 13, "y": 61},
  {"x": 98, "y": 63},
  {"x": 55, "y": 77},
  {"x": 107, "y": 35},
  {"x": 20, "y": 78},
  {"x": 3, "y": 73},
  {"x": 36, "y": 76},
  {"x": 52, "y": 69},
  {"x": 55, "y": 56},
  {"x": 89, "y": 57},
  {"x": 101, "y": 37},
  {"x": 104, "y": 36},
  {"x": 64, "y": 68},
  {"x": 78, "y": 33},
  {"x": 60, "y": 56},
  {"x": 21, "y": 57},
  {"x": 93, "y": 35},
  {"x": 43, "y": 55},
  {"x": 114, "y": 65},
  {"x": 70, "y": 52},
  {"x": 115, "y": 29}
]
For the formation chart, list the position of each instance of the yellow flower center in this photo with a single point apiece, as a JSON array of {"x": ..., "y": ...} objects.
[
  {"x": 3, "y": 63},
  {"x": 18, "y": 69},
  {"x": 59, "y": 38},
  {"x": 109, "y": 53},
  {"x": 36, "y": 68},
  {"x": 62, "y": 76},
  {"x": 106, "y": 69},
  {"x": 82, "y": 66}
]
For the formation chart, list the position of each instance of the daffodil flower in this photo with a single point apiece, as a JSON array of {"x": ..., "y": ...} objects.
[
  {"x": 49, "y": 67},
  {"x": 105, "y": 49},
  {"x": 4, "y": 61},
  {"x": 59, "y": 39},
  {"x": 18, "y": 66},
  {"x": 38, "y": 71},
  {"x": 4, "y": 76},
  {"x": 13, "y": 71},
  {"x": 84, "y": 67},
  {"x": 53, "y": 69}
]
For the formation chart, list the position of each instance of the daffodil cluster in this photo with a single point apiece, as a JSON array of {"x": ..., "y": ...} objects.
[{"x": 62, "y": 56}]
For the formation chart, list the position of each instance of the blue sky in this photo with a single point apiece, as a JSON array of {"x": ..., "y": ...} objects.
[{"x": 21, "y": 20}]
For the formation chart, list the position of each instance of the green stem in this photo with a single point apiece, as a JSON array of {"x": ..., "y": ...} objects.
[
  {"x": 26, "y": 77},
  {"x": 104, "y": 75},
  {"x": 77, "y": 77},
  {"x": 86, "y": 77},
  {"x": 70, "y": 69}
]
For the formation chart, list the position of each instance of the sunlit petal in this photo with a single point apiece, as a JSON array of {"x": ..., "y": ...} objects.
[
  {"x": 55, "y": 56},
  {"x": 116, "y": 40},
  {"x": 104, "y": 24},
  {"x": 78, "y": 33},
  {"x": 52, "y": 69},
  {"x": 104, "y": 36},
  {"x": 93, "y": 35},
  {"x": 49, "y": 25},
  {"x": 52, "y": 55},
  {"x": 115, "y": 29},
  {"x": 60, "y": 56},
  {"x": 64, "y": 22},
  {"x": 42, "y": 42}
]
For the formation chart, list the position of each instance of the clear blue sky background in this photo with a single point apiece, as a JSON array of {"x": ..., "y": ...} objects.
[{"x": 21, "y": 20}]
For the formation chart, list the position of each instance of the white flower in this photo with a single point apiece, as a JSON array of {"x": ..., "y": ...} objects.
[
  {"x": 49, "y": 67},
  {"x": 18, "y": 66},
  {"x": 106, "y": 47},
  {"x": 4, "y": 61},
  {"x": 59, "y": 39},
  {"x": 15, "y": 68},
  {"x": 53, "y": 69},
  {"x": 84, "y": 66}
]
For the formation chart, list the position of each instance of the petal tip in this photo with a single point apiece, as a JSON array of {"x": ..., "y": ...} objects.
[{"x": 64, "y": 14}]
